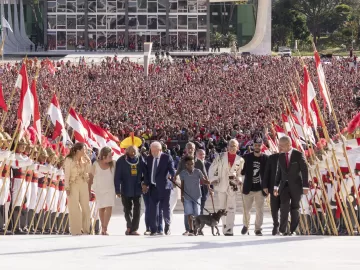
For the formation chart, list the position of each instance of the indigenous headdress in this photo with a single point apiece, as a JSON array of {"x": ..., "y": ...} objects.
[{"x": 131, "y": 141}]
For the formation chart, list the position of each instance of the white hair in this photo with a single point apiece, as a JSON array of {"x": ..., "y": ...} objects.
[
  {"x": 156, "y": 144},
  {"x": 234, "y": 141},
  {"x": 285, "y": 139},
  {"x": 190, "y": 144}
]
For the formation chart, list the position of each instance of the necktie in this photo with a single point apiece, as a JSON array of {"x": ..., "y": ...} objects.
[
  {"x": 154, "y": 170},
  {"x": 287, "y": 160}
]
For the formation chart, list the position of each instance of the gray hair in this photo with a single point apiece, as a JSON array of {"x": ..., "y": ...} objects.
[
  {"x": 156, "y": 144},
  {"x": 190, "y": 144},
  {"x": 234, "y": 141},
  {"x": 133, "y": 147},
  {"x": 285, "y": 139},
  {"x": 200, "y": 151}
]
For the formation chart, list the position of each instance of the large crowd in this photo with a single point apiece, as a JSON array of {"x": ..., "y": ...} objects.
[{"x": 212, "y": 97}]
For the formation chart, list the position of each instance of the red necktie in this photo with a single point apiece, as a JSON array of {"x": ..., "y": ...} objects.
[{"x": 287, "y": 160}]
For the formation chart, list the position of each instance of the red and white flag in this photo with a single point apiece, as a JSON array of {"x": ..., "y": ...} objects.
[
  {"x": 113, "y": 143},
  {"x": 26, "y": 106},
  {"x": 51, "y": 68},
  {"x": 100, "y": 135},
  {"x": 2, "y": 100},
  {"x": 308, "y": 96},
  {"x": 322, "y": 83},
  {"x": 57, "y": 120},
  {"x": 36, "y": 115},
  {"x": 90, "y": 138},
  {"x": 73, "y": 120}
]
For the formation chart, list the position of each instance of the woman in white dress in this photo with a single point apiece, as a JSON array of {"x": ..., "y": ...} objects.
[{"x": 102, "y": 182}]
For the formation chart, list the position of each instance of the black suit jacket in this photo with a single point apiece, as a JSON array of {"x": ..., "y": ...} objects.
[
  {"x": 296, "y": 175},
  {"x": 248, "y": 171},
  {"x": 270, "y": 172}
]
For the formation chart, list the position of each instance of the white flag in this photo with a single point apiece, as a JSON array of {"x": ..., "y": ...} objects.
[{"x": 5, "y": 24}]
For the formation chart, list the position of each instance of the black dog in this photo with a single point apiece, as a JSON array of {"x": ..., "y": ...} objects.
[{"x": 211, "y": 220}]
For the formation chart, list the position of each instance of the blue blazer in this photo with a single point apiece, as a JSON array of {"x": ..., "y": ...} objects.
[{"x": 164, "y": 168}]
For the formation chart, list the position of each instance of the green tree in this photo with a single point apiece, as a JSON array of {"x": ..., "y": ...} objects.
[{"x": 287, "y": 24}]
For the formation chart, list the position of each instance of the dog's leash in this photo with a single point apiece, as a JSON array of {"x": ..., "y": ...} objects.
[{"x": 191, "y": 197}]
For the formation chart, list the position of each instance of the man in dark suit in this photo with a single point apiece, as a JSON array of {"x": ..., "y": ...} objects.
[
  {"x": 157, "y": 183},
  {"x": 268, "y": 188},
  {"x": 291, "y": 182}
]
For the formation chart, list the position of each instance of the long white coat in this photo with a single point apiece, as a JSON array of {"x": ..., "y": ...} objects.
[{"x": 219, "y": 170}]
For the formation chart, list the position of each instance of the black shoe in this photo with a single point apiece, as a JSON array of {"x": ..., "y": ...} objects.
[
  {"x": 160, "y": 233},
  {"x": 147, "y": 233},
  {"x": 258, "y": 233},
  {"x": 167, "y": 230},
  {"x": 229, "y": 234},
  {"x": 19, "y": 232},
  {"x": 275, "y": 231},
  {"x": 153, "y": 234},
  {"x": 244, "y": 230},
  {"x": 284, "y": 233}
]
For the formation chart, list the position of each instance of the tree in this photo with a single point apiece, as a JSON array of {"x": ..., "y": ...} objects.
[{"x": 287, "y": 24}]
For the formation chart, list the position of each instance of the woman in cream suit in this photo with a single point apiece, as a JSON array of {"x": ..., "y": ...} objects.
[
  {"x": 225, "y": 175},
  {"x": 77, "y": 167}
]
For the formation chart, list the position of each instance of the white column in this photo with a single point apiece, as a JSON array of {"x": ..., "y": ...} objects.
[
  {"x": 11, "y": 35},
  {"x": 147, "y": 54},
  {"x": 22, "y": 27},
  {"x": 24, "y": 40},
  {"x": 8, "y": 46}
]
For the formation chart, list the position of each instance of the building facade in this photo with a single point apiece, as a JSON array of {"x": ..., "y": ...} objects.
[{"x": 182, "y": 24}]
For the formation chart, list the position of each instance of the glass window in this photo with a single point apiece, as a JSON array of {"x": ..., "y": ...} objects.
[
  {"x": 202, "y": 6},
  {"x": 162, "y": 5},
  {"x": 71, "y": 40},
  {"x": 111, "y": 7},
  {"x": 132, "y": 41},
  {"x": 192, "y": 6},
  {"x": 101, "y": 40},
  {"x": 101, "y": 5},
  {"x": 152, "y": 22},
  {"x": 132, "y": 7},
  {"x": 142, "y": 5},
  {"x": 173, "y": 40},
  {"x": 51, "y": 40},
  {"x": 163, "y": 38},
  {"x": 51, "y": 22},
  {"x": 92, "y": 22},
  {"x": 121, "y": 21},
  {"x": 192, "y": 40},
  {"x": 120, "y": 38},
  {"x": 51, "y": 6},
  {"x": 142, "y": 22},
  {"x": 173, "y": 22},
  {"x": 202, "y": 38},
  {"x": 92, "y": 7},
  {"x": 80, "y": 21},
  {"x": 120, "y": 5},
  {"x": 101, "y": 21},
  {"x": 61, "y": 22},
  {"x": 132, "y": 22},
  {"x": 162, "y": 21},
  {"x": 182, "y": 40},
  {"x": 111, "y": 22},
  {"x": 80, "y": 5},
  {"x": 61, "y": 6},
  {"x": 202, "y": 22},
  {"x": 152, "y": 7},
  {"x": 192, "y": 23},
  {"x": 61, "y": 38},
  {"x": 182, "y": 22},
  {"x": 182, "y": 6},
  {"x": 92, "y": 40},
  {"x": 71, "y": 22},
  {"x": 71, "y": 6},
  {"x": 111, "y": 38},
  {"x": 81, "y": 38},
  {"x": 173, "y": 7}
]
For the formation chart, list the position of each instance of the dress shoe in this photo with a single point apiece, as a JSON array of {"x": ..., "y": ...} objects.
[
  {"x": 127, "y": 232},
  {"x": 284, "y": 233},
  {"x": 245, "y": 230},
  {"x": 147, "y": 233},
  {"x": 135, "y": 233},
  {"x": 275, "y": 231},
  {"x": 160, "y": 233},
  {"x": 258, "y": 233},
  {"x": 167, "y": 230},
  {"x": 153, "y": 234}
]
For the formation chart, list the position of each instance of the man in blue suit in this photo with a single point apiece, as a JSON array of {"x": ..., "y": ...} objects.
[{"x": 159, "y": 166}]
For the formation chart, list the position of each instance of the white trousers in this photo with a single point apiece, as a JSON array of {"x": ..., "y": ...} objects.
[
  {"x": 33, "y": 196},
  {"x": 227, "y": 201},
  {"x": 18, "y": 192},
  {"x": 62, "y": 201},
  {"x": 174, "y": 196},
  {"x": 4, "y": 191},
  {"x": 41, "y": 196}
]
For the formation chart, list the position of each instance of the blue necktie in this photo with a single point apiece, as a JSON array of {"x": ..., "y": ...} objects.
[{"x": 154, "y": 171}]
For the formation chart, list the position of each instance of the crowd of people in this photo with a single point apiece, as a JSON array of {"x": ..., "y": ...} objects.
[
  {"x": 212, "y": 98},
  {"x": 216, "y": 102}
]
